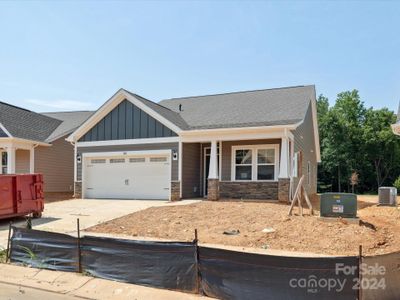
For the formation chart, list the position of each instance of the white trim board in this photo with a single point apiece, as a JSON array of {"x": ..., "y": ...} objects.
[
  {"x": 126, "y": 153},
  {"x": 129, "y": 142},
  {"x": 5, "y": 130}
]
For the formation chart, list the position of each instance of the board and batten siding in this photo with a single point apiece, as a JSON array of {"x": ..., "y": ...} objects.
[
  {"x": 304, "y": 141},
  {"x": 191, "y": 170},
  {"x": 57, "y": 165},
  {"x": 22, "y": 159},
  {"x": 122, "y": 148},
  {"x": 126, "y": 121}
]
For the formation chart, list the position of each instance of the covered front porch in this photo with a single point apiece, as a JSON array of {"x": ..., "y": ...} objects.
[
  {"x": 17, "y": 156},
  {"x": 247, "y": 166}
]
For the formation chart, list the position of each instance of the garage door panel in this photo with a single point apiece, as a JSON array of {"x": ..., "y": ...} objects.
[{"x": 130, "y": 178}]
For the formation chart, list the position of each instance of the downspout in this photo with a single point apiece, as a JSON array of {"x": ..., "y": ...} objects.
[{"x": 75, "y": 176}]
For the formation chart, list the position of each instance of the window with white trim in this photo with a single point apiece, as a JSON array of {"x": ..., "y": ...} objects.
[
  {"x": 255, "y": 163},
  {"x": 265, "y": 164},
  {"x": 3, "y": 161},
  {"x": 98, "y": 161},
  {"x": 158, "y": 159},
  {"x": 137, "y": 159},
  {"x": 243, "y": 164},
  {"x": 117, "y": 160}
]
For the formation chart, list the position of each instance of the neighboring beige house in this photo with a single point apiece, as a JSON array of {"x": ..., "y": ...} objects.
[
  {"x": 252, "y": 144},
  {"x": 35, "y": 143}
]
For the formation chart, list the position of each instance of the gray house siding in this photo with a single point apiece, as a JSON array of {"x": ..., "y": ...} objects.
[
  {"x": 127, "y": 121},
  {"x": 143, "y": 147},
  {"x": 304, "y": 141},
  {"x": 56, "y": 163},
  {"x": 22, "y": 159},
  {"x": 191, "y": 170}
]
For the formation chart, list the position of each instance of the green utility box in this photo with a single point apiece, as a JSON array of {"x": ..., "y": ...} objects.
[{"x": 338, "y": 205}]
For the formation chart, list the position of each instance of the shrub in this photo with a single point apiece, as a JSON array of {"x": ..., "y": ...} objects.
[{"x": 396, "y": 184}]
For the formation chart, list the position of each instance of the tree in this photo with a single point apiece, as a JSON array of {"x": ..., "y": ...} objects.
[
  {"x": 356, "y": 139},
  {"x": 381, "y": 145}
]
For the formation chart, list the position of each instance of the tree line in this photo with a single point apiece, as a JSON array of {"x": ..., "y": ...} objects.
[{"x": 359, "y": 151}]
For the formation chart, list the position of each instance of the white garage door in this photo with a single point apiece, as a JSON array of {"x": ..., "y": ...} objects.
[{"x": 127, "y": 177}]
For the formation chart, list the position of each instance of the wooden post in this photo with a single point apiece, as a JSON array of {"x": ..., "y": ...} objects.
[
  {"x": 8, "y": 251},
  {"x": 79, "y": 246},
  {"x": 196, "y": 245},
  {"x": 360, "y": 258}
]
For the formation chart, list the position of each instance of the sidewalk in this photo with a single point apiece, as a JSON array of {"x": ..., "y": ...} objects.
[{"x": 23, "y": 281}]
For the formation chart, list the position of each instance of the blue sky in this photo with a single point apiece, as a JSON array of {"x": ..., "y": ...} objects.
[{"x": 76, "y": 54}]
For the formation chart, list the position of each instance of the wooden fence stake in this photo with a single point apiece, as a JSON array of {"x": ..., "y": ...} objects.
[
  {"x": 198, "y": 278},
  {"x": 8, "y": 251},
  {"x": 360, "y": 258},
  {"x": 79, "y": 246}
]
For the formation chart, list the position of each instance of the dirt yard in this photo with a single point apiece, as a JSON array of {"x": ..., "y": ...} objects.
[{"x": 378, "y": 234}]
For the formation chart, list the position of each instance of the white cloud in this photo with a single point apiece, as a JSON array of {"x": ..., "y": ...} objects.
[{"x": 49, "y": 105}]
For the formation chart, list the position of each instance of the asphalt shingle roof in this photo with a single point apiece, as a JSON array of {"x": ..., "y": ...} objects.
[
  {"x": 167, "y": 113},
  {"x": 280, "y": 106},
  {"x": 25, "y": 124},
  {"x": 40, "y": 127},
  {"x": 71, "y": 120}
]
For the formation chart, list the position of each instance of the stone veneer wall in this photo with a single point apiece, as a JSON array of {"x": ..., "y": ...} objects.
[
  {"x": 78, "y": 189},
  {"x": 283, "y": 190},
  {"x": 213, "y": 190},
  {"x": 249, "y": 190},
  {"x": 175, "y": 190}
]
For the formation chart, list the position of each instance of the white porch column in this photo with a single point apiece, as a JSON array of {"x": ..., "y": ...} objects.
[
  {"x": 284, "y": 163},
  {"x": 213, "y": 170},
  {"x": 10, "y": 160},
  {"x": 32, "y": 160}
]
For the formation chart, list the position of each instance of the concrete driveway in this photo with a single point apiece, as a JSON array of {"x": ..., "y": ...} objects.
[{"x": 61, "y": 216}]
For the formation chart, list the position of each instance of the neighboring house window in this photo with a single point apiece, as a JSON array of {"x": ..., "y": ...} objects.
[
  {"x": 309, "y": 173},
  {"x": 255, "y": 163},
  {"x": 3, "y": 162}
]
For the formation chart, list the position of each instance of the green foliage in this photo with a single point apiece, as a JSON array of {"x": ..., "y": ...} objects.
[
  {"x": 356, "y": 139},
  {"x": 396, "y": 184}
]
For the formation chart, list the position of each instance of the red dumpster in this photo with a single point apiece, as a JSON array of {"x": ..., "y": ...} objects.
[{"x": 21, "y": 194}]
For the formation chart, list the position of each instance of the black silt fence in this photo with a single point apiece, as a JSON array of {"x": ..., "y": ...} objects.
[
  {"x": 218, "y": 273},
  {"x": 238, "y": 275},
  {"x": 46, "y": 250},
  {"x": 381, "y": 277},
  {"x": 163, "y": 265}
]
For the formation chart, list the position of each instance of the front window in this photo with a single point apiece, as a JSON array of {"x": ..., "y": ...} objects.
[
  {"x": 243, "y": 164},
  {"x": 3, "y": 162},
  {"x": 258, "y": 162},
  {"x": 266, "y": 164}
]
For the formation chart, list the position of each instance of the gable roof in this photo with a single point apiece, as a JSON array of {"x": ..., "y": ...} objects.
[
  {"x": 167, "y": 113},
  {"x": 71, "y": 120},
  {"x": 17, "y": 122},
  {"x": 279, "y": 106},
  {"x": 25, "y": 124}
]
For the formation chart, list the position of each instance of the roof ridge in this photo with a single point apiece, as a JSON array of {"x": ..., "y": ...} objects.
[
  {"x": 12, "y": 105},
  {"x": 27, "y": 110},
  {"x": 63, "y": 112},
  {"x": 156, "y": 103},
  {"x": 239, "y": 92}
]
